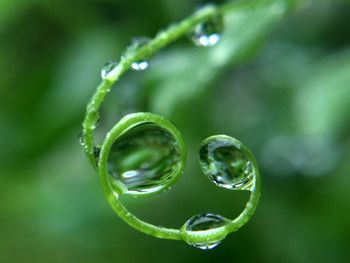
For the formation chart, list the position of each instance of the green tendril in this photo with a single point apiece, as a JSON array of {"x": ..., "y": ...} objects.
[{"x": 216, "y": 151}]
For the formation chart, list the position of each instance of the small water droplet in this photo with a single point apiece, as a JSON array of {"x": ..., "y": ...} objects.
[
  {"x": 205, "y": 223},
  {"x": 107, "y": 68},
  {"x": 227, "y": 163},
  {"x": 144, "y": 159},
  {"x": 81, "y": 138},
  {"x": 136, "y": 43},
  {"x": 208, "y": 33},
  {"x": 97, "y": 151}
]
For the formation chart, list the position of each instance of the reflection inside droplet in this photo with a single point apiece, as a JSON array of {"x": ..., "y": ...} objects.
[
  {"x": 139, "y": 66},
  {"x": 144, "y": 159},
  {"x": 208, "y": 40},
  {"x": 227, "y": 163}
]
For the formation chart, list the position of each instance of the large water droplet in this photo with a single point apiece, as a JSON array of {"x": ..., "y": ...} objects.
[
  {"x": 208, "y": 33},
  {"x": 144, "y": 159},
  {"x": 136, "y": 43},
  {"x": 107, "y": 68},
  {"x": 227, "y": 163},
  {"x": 205, "y": 223}
]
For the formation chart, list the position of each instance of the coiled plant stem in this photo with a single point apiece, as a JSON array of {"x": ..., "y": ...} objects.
[{"x": 162, "y": 39}]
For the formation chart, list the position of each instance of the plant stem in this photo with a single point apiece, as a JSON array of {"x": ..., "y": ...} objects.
[{"x": 162, "y": 39}]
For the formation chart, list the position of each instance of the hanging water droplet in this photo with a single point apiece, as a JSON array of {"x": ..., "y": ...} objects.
[
  {"x": 107, "y": 68},
  {"x": 227, "y": 163},
  {"x": 81, "y": 138},
  {"x": 97, "y": 151},
  {"x": 205, "y": 223},
  {"x": 208, "y": 33},
  {"x": 136, "y": 43},
  {"x": 144, "y": 159}
]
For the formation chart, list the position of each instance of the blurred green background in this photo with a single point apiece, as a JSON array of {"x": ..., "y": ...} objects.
[{"x": 279, "y": 81}]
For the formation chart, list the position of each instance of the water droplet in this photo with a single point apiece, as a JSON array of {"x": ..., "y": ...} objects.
[
  {"x": 205, "y": 223},
  {"x": 136, "y": 43},
  {"x": 107, "y": 68},
  {"x": 97, "y": 151},
  {"x": 81, "y": 138},
  {"x": 144, "y": 159},
  {"x": 208, "y": 33},
  {"x": 227, "y": 163}
]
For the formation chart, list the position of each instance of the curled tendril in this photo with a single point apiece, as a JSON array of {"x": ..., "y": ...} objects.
[{"x": 112, "y": 192}]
